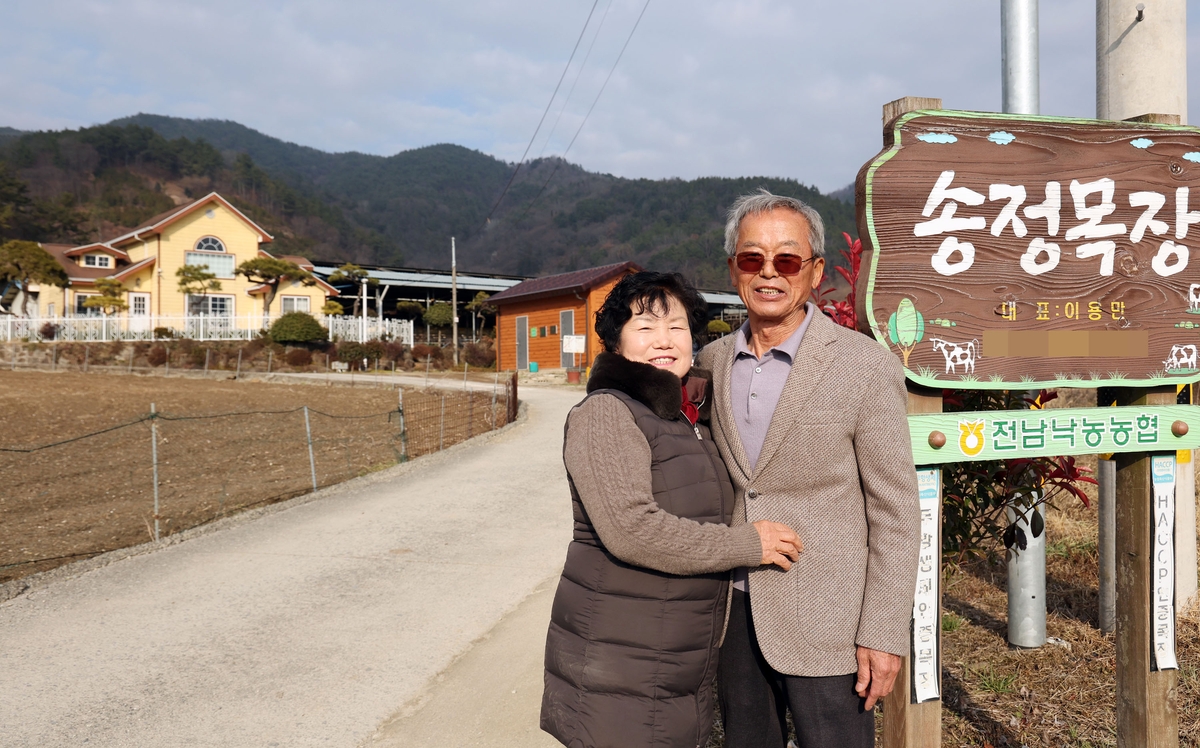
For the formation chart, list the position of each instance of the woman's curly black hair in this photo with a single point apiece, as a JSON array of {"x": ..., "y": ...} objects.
[{"x": 637, "y": 292}]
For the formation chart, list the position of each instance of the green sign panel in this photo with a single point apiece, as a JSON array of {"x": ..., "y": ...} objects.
[{"x": 1005, "y": 434}]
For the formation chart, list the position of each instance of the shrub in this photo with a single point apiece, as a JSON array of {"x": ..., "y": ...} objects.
[
  {"x": 719, "y": 327},
  {"x": 157, "y": 356},
  {"x": 356, "y": 352},
  {"x": 333, "y": 308},
  {"x": 395, "y": 351},
  {"x": 479, "y": 354},
  {"x": 197, "y": 356},
  {"x": 164, "y": 333},
  {"x": 48, "y": 331},
  {"x": 422, "y": 352},
  {"x": 439, "y": 315},
  {"x": 298, "y": 327},
  {"x": 298, "y": 357}
]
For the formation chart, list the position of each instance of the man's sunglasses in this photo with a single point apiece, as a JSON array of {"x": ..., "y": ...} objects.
[{"x": 752, "y": 262}]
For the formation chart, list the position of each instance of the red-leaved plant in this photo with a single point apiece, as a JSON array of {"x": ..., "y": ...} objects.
[
  {"x": 842, "y": 310},
  {"x": 975, "y": 495}
]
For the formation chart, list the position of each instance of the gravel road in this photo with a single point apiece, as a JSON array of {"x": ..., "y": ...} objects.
[{"x": 328, "y": 621}]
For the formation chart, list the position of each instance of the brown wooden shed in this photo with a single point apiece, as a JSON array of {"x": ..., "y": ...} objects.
[{"x": 532, "y": 316}]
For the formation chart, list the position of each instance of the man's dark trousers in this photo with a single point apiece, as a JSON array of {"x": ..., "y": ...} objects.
[{"x": 754, "y": 699}]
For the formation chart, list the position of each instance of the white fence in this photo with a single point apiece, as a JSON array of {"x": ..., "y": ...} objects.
[{"x": 124, "y": 327}]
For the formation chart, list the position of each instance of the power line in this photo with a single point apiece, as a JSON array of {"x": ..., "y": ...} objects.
[
  {"x": 578, "y": 75},
  {"x": 589, "y": 113},
  {"x": 547, "y": 111}
]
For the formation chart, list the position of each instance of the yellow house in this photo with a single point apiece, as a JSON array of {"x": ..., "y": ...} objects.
[{"x": 208, "y": 232}]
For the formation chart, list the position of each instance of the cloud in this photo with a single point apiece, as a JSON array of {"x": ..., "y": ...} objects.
[{"x": 734, "y": 88}]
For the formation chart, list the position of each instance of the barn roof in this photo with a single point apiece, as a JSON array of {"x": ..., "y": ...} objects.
[{"x": 563, "y": 283}]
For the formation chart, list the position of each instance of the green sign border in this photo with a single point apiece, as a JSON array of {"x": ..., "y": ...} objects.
[
  {"x": 921, "y": 426},
  {"x": 972, "y": 384}
]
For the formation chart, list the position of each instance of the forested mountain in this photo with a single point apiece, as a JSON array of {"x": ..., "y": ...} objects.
[{"x": 388, "y": 210}]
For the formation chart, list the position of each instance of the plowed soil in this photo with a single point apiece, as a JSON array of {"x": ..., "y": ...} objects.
[{"x": 222, "y": 446}]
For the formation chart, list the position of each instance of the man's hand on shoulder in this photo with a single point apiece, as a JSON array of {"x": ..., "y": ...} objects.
[{"x": 876, "y": 674}]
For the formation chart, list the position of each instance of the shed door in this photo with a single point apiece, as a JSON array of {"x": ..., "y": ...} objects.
[
  {"x": 566, "y": 326},
  {"x": 522, "y": 343}
]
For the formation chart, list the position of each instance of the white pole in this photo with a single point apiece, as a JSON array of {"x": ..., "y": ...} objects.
[
  {"x": 312, "y": 464},
  {"x": 362, "y": 321},
  {"x": 1020, "y": 95},
  {"x": 454, "y": 300},
  {"x": 154, "y": 463},
  {"x": 1141, "y": 66}
]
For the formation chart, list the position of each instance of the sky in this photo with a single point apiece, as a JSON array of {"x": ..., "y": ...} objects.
[{"x": 705, "y": 87}]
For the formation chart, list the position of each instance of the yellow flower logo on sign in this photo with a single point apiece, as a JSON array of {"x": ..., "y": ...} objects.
[{"x": 970, "y": 437}]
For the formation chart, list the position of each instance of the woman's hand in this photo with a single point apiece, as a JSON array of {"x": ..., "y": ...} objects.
[{"x": 780, "y": 545}]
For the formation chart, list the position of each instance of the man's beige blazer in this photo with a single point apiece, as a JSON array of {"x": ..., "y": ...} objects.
[{"x": 837, "y": 467}]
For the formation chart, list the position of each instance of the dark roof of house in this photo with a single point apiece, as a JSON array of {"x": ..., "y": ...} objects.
[
  {"x": 563, "y": 283},
  {"x": 75, "y": 271}
]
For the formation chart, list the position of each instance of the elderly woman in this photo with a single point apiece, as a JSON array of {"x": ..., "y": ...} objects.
[{"x": 640, "y": 610}]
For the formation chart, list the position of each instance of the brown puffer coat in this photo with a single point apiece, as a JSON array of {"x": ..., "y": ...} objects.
[{"x": 631, "y": 653}]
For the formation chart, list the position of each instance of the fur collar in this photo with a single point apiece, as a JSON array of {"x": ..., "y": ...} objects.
[{"x": 658, "y": 390}]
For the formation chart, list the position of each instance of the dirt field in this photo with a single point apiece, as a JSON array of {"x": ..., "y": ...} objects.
[{"x": 222, "y": 446}]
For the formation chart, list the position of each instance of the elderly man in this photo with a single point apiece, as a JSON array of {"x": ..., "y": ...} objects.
[{"x": 809, "y": 417}]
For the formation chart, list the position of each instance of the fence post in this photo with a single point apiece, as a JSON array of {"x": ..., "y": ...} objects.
[
  {"x": 207, "y": 354},
  {"x": 495, "y": 384},
  {"x": 442, "y": 426},
  {"x": 464, "y": 377},
  {"x": 54, "y": 357},
  {"x": 154, "y": 462},
  {"x": 87, "y": 356},
  {"x": 130, "y": 359},
  {"x": 238, "y": 375},
  {"x": 167, "y": 370},
  {"x": 312, "y": 464},
  {"x": 403, "y": 430},
  {"x": 270, "y": 359}
]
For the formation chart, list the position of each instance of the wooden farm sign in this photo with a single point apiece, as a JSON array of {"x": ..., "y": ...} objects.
[{"x": 1033, "y": 251}]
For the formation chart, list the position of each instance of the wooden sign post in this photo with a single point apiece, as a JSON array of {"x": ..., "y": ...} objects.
[{"x": 1021, "y": 252}]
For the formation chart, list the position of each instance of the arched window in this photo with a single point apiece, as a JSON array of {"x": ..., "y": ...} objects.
[{"x": 210, "y": 244}]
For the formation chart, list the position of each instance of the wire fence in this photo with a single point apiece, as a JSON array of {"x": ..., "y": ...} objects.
[{"x": 162, "y": 473}]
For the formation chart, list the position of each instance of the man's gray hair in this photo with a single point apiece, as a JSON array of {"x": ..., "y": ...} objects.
[{"x": 762, "y": 202}]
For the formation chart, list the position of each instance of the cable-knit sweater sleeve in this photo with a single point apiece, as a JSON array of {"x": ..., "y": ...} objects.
[{"x": 609, "y": 461}]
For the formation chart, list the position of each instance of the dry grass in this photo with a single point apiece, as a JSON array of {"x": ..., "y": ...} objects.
[{"x": 1053, "y": 696}]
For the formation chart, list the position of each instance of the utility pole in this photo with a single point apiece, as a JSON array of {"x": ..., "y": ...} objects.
[
  {"x": 1022, "y": 95},
  {"x": 1141, "y": 59},
  {"x": 454, "y": 300},
  {"x": 1141, "y": 74}
]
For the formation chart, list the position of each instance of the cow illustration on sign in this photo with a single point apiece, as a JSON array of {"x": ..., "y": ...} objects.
[
  {"x": 906, "y": 327},
  {"x": 1194, "y": 298},
  {"x": 1181, "y": 360},
  {"x": 957, "y": 354}
]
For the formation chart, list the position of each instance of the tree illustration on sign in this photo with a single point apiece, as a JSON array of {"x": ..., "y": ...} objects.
[{"x": 906, "y": 327}]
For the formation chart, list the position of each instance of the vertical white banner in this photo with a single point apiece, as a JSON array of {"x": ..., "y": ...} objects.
[
  {"x": 1162, "y": 593},
  {"x": 926, "y": 609}
]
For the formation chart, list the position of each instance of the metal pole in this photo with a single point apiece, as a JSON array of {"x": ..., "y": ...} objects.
[
  {"x": 464, "y": 377},
  {"x": 238, "y": 374},
  {"x": 270, "y": 359},
  {"x": 87, "y": 356},
  {"x": 154, "y": 462},
  {"x": 403, "y": 432},
  {"x": 1106, "y": 477},
  {"x": 454, "y": 300},
  {"x": 1019, "y": 56},
  {"x": 207, "y": 354},
  {"x": 470, "y": 414},
  {"x": 130, "y": 359},
  {"x": 442, "y": 426},
  {"x": 362, "y": 321},
  {"x": 312, "y": 465},
  {"x": 495, "y": 384},
  {"x": 1027, "y": 585},
  {"x": 1021, "y": 95}
]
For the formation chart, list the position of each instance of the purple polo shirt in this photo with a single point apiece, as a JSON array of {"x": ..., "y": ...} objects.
[{"x": 755, "y": 385}]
